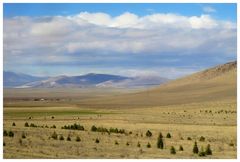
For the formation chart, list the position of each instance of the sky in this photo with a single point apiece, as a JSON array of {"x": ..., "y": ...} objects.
[{"x": 167, "y": 40}]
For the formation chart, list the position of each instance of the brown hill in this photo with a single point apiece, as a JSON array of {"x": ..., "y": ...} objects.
[{"x": 215, "y": 84}]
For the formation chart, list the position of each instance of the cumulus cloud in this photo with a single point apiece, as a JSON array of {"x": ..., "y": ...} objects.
[{"x": 63, "y": 39}]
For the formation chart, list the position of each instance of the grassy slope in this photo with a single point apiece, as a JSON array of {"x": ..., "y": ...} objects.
[{"x": 215, "y": 84}]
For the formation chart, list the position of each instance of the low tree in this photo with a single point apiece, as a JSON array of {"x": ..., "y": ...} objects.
[
  {"x": 23, "y": 135},
  {"x": 202, "y": 139},
  {"x": 127, "y": 144},
  {"x": 26, "y": 124},
  {"x": 160, "y": 135},
  {"x": 172, "y": 150},
  {"x": 195, "y": 148},
  {"x": 54, "y": 135},
  {"x": 10, "y": 134},
  {"x": 208, "y": 150},
  {"x": 168, "y": 135},
  {"x": 5, "y": 133},
  {"x": 160, "y": 143},
  {"x": 148, "y": 145},
  {"x": 97, "y": 140},
  {"x": 148, "y": 133},
  {"x": 13, "y": 124},
  {"x": 78, "y": 139},
  {"x": 94, "y": 128},
  {"x": 4, "y": 144},
  {"x": 180, "y": 148},
  {"x": 61, "y": 138}
]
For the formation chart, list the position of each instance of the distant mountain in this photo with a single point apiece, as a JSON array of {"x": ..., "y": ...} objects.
[
  {"x": 91, "y": 80},
  {"x": 11, "y": 79}
]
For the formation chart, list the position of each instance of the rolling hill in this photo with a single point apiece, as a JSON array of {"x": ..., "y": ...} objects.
[{"x": 215, "y": 84}]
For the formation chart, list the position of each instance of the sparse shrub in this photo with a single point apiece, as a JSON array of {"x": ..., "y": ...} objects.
[
  {"x": 160, "y": 135},
  {"x": 202, "y": 139},
  {"x": 231, "y": 143},
  {"x": 46, "y": 126},
  {"x": 33, "y": 125},
  {"x": 61, "y": 138},
  {"x": 5, "y": 133},
  {"x": 26, "y": 124},
  {"x": 138, "y": 144},
  {"x": 52, "y": 117},
  {"x": 54, "y": 126},
  {"x": 202, "y": 152},
  {"x": 208, "y": 150},
  {"x": 172, "y": 150},
  {"x": 160, "y": 143},
  {"x": 168, "y": 135},
  {"x": 54, "y": 135},
  {"x": 20, "y": 141},
  {"x": 13, "y": 124},
  {"x": 116, "y": 143},
  {"x": 4, "y": 144},
  {"x": 78, "y": 139},
  {"x": 10, "y": 134},
  {"x": 180, "y": 148},
  {"x": 127, "y": 144},
  {"x": 148, "y": 133},
  {"x": 195, "y": 148},
  {"x": 29, "y": 117},
  {"x": 68, "y": 138},
  {"x": 189, "y": 138},
  {"x": 97, "y": 140},
  {"x": 94, "y": 128},
  {"x": 148, "y": 145},
  {"x": 23, "y": 135},
  {"x": 130, "y": 132}
]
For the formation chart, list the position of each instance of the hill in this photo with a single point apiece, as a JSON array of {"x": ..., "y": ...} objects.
[{"x": 215, "y": 84}]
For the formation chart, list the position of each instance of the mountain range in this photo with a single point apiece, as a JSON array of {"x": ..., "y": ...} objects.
[{"x": 16, "y": 80}]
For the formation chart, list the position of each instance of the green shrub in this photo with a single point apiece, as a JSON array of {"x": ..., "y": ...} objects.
[
  {"x": 208, "y": 150},
  {"x": 180, "y": 148},
  {"x": 23, "y": 135},
  {"x": 202, "y": 139},
  {"x": 148, "y": 145},
  {"x": 160, "y": 143},
  {"x": 148, "y": 133},
  {"x": 26, "y": 124},
  {"x": 5, "y": 133},
  {"x": 195, "y": 148},
  {"x": 10, "y": 134},
  {"x": 172, "y": 150},
  {"x": 168, "y": 135},
  {"x": 97, "y": 140},
  {"x": 61, "y": 138},
  {"x": 13, "y": 124},
  {"x": 138, "y": 145},
  {"x": 68, "y": 138},
  {"x": 54, "y": 135},
  {"x": 78, "y": 139},
  {"x": 94, "y": 128}
]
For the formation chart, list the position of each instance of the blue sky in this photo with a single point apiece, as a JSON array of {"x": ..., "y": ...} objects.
[{"x": 169, "y": 40}]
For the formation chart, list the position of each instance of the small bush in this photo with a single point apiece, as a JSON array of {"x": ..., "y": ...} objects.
[
  {"x": 127, "y": 144},
  {"x": 54, "y": 126},
  {"x": 148, "y": 133},
  {"x": 195, "y": 148},
  {"x": 231, "y": 144},
  {"x": 130, "y": 132},
  {"x": 189, "y": 138},
  {"x": 23, "y": 135},
  {"x": 5, "y": 133},
  {"x": 116, "y": 143},
  {"x": 52, "y": 117},
  {"x": 4, "y": 144},
  {"x": 61, "y": 138},
  {"x": 13, "y": 124},
  {"x": 54, "y": 135},
  {"x": 20, "y": 141},
  {"x": 68, "y": 138},
  {"x": 168, "y": 135},
  {"x": 160, "y": 135},
  {"x": 26, "y": 124},
  {"x": 172, "y": 150},
  {"x": 94, "y": 128},
  {"x": 208, "y": 150},
  {"x": 202, "y": 139},
  {"x": 33, "y": 125},
  {"x": 78, "y": 139},
  {"x": 180, "y": 148},
  {"x": 138, "y": 145},
  {"x": 97, "y": 140},
  {"x": 202, "y": 152},
  {"x": 10, "y": 134},
  {"x": 148, "y": 145}
]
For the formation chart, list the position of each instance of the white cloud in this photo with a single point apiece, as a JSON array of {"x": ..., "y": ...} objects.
[{"x": 209, "y": 9}]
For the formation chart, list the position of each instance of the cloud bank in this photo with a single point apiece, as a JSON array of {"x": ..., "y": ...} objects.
[{"x": 90, "y": 39}]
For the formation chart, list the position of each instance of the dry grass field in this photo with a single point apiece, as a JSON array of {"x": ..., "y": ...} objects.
[{"x": 199, "y": 108}]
